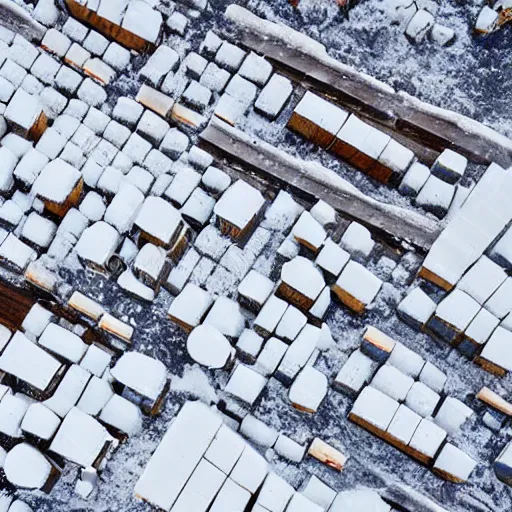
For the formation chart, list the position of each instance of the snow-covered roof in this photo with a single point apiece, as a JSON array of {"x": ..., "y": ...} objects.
[
  {"x": 477, "y": 223},
  {"x": 28, "y": 362},
  {"x": 142, "y": 373}
]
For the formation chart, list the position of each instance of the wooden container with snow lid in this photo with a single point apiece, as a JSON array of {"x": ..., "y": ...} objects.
[
  {"x": 159, "y": 223},
  {"x": 356, "y": 287},
  {"x": 32, "y": 365},
  {"x": 145, "y": 378},
  {"x": 27, "y": 468},
  {"x": 317, "y": 119},
  {"x": 301, "y": 283},
  {"x": 59, "y": 186},
  {"x": 156, "y": 101},
  {"x": 238, "y": 209},
  {"x": 134, "y": 24},
  {"x": 97, "y": 245},
  {"x": 496, "y": 356},
  {"x": 25, "y": 115}
]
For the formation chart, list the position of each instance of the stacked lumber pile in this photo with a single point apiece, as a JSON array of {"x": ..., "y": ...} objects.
[
  {"x": 400, "y": 399},
  {"x": 65, "y": 397},
  {"x": 380, "y": 156}
]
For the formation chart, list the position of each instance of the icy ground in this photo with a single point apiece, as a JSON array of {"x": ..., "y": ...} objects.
[{"x": 470, "y": 77}]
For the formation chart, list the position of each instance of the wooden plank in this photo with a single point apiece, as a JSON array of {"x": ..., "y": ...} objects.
[
  {"x": 495, "y": 401},
  {"x": 309, "y": 62},
  {"x": 318, "y": 182},
  {"x": 15, "y": 304}
]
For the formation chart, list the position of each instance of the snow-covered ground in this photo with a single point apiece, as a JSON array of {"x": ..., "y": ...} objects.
[{"x": 471, "y": 77}]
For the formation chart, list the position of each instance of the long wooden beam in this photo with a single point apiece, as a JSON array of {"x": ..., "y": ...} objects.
[
  {"x": 313, "y": 180},
  {"x": 309, "y": 62}
]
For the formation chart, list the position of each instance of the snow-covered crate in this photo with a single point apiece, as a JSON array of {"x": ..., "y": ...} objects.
[
  {"x": 477, "y": 333},
  {"x": 151, "y": 266},
  {"x": 155, "y": 100},
  {"x": 452, "y": 316},
  {"x": 207, "y": 346},
  {"x": 269, "y": 316},
  {"x": 373, "y": 410},
  {"x": 274, "y": 96},
  {"x": 26, "y": 467},
  {"x": 82, "y": 439},
  {"x": 503, "y": 465},
  {"x": 238, "y": 209},
  {"x": 32, "y": 365},
  {"x": 63, "y": 343},
  {"x": 308, "y": 390},
  {"x": 116, "y": 327},
  {"x": 414, "y": 179},
  {"x": 416, "y": 308},
  {"x": 190, "y": 307},
  {"x": 245, "y": 384},
  {"x": 59, "y": 186},
  {"x": 453, "y": 464},
  {"x": 159, "y": 222},
  {"x": 317, "y": 119},
  {"x": 97, "y": 245},
  {"x": 25, "y": 115},
  {"x": 436, "y": 196},
  {"x": 254, "y": 290},
  {"x": 301, "y": 283},
  {"x": 355, "y": 373},
  {"x": 496, "y": 356},
  {"x": 393, "y": 163},
  {"x": 15, "y": 254},
  {"x": 309, "y": 232},
  {"x": 134, "y": 25},
  {"x": 163, "y": 61},
  {"x": 426, "y": 441},
  {"x": 356, "y": 287},
  {"x": 482, "y": 280},
  {"x": 143, "y": 380},
  {"x": 449, "y": 166}
]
